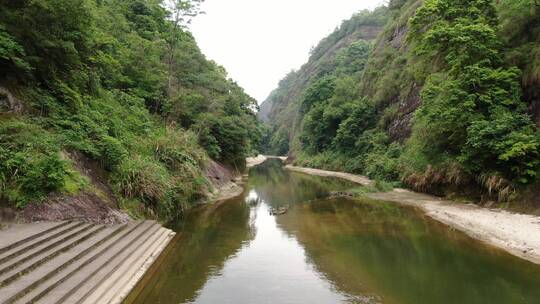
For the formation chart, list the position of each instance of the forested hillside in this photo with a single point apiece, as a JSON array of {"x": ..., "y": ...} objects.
[
  {"x": 344, "y": 52},
  {"x": 446, "y": 99},
  {"x": 120, "y": 86}
]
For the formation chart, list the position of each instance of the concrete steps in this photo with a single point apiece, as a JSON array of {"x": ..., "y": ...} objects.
[{"x": 74, "y": 262}]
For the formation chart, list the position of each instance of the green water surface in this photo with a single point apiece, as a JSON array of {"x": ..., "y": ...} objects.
[{"x": 328, "y": 251}]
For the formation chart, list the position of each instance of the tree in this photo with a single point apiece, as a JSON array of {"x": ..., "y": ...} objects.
[
  {"x": 182, "y": 11},
  {"x": 472, "y": 110}
]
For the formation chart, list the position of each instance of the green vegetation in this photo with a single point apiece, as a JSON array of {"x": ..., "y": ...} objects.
[
  {"x": 444, "y": 99},
  {"x": 334, "y": 66},
  {"x": 472, "y": 111},
  {"x": 30, "y": 163},
  {"x": 123, "y": 83}
]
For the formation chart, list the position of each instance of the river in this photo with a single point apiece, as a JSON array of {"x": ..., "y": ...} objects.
[{"x": 327, "y": 250}]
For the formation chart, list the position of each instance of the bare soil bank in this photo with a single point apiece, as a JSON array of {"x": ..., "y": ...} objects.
[{"x": 518, "y": 234}]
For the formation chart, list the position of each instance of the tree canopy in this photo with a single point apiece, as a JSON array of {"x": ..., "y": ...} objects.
[{"x": 125, "y": 84}]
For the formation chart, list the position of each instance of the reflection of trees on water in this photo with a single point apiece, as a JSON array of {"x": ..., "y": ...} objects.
[
  {"x": 253, "y": 199},
  {"x": 208, "y": 237},
  {"x": 371, "y": 247},
  {"x": 278, "y": 187},
  {"x": 361, "y": 247}
]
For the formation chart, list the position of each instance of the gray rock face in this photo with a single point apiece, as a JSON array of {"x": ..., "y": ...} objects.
[{"x": 8, "y": 103}]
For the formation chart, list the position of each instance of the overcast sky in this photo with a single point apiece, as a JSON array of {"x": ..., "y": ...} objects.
[{"x": 260, "y": 41}]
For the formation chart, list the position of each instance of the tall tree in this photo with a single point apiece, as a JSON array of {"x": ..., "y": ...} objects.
[{"x": 182, "y": 12}]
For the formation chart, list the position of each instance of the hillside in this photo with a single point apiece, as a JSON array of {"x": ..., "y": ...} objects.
[
  {"x": 444, "y": 100},
  {"x": 337, "y": 51},
  {"x": 108, "y": 104}
]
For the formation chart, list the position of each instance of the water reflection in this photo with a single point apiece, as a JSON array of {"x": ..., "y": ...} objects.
[
  {"x": 205, "y": 240},
  {"x": 270, "y": 269},
  {"x": 329, "y": 251},
  {"x": 369, "y": 247}
]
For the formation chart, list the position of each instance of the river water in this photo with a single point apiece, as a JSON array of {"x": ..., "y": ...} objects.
[{"x": 328, "y": 251}]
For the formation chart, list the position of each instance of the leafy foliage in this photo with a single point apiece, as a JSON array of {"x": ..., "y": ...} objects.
[
  {"x": 124, "y": 83},
  {"x": 30, "y": 163},
  {"x": 475, "y": 112},
  {"x": 442, "y": 98},
  {"x": 340, "y": 59}
]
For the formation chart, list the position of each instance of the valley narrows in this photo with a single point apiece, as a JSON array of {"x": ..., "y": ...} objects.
[{"x": 328, "y": 250}]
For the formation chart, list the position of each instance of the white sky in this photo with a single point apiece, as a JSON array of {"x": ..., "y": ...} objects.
[{"x": 260, "y": 41}]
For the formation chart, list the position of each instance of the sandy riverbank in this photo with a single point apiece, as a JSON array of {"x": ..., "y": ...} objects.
[
  {"x": 519, "y": 234},
  {"x": 259, "y": 159}
]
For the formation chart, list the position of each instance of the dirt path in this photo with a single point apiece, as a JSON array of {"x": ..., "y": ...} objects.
[{"x": 518, "y": 234}]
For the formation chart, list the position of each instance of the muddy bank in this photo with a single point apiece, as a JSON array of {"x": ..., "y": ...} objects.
[{"x": 518, "y": 234}]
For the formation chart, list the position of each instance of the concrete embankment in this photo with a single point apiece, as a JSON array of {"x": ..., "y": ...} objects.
[
  {"x": 518, "y": 234},
  {"x": 55, "y": 258},
  {"x": 76, "y": 262}
]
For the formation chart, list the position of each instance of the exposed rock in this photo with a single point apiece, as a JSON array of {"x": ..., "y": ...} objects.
[
  {"x": 7, "y": 215},
  {"x": 99, "y": 207},
  {"x": 96, "y": 174},
  {"x": 341, "y": 194},
  {"x": 218, "y": 174},
  {"x": 400, "y": 127},
  {"x": 398, "y": 36},
  {"x": 279, "y": 211},
  {"x": 8, "y": 102},
  {"x": 227, "y": 183}
]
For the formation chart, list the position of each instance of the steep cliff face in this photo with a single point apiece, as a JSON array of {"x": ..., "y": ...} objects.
[
  {"x": 403, "y": 68},
  {"x": 281, "y": 110},
  {"x": 520, "y": 29},
  {"x": 389, "y": 79},
  {"x": 393, "y": 77}
]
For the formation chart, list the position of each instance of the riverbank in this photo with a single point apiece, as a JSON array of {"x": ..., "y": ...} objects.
[
  {"x": 518, "y": 234},
  {"x": 259, "y": 159},
  {"x": 73, "y": 261},
  {"x": 329, "y": 251},
  {"x": 228, "y": 191},
  {"x": 103, "y": 257}
]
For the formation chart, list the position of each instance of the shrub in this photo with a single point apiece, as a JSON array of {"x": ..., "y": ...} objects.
[
  {"x": 142, "y": 178},
  {"x": 30, "y": 163},
  {"x": 177, "y": 149},
  {"x": 360, "y": 119},
  {"x": 384, "y": 164},
  {"x": 113, "y": 152},
  {"x": 472, "y": 111}
]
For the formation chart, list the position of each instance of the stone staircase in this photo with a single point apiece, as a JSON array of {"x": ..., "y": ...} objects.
[{"x": 76, "y": 262}]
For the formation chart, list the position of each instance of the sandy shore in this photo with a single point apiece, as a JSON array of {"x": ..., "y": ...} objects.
[
  {"x": 518, "y": 234},
  {"x": 254, "y": 161}
]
